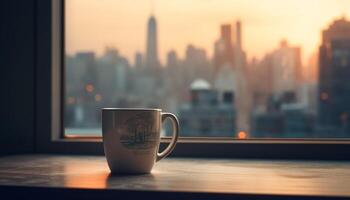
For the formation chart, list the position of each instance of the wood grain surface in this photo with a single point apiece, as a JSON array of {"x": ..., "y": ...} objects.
[{"x": 258, "y": 177}]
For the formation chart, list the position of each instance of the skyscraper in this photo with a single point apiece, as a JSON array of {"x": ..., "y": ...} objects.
[
  {"x": 172, "y": 59},
  {"x": 239, "y": 54},
  {"x": 226, "y": 34},
  {"x": 223, "y": 48},
  {"x": 334, "y": 73},
  {"x": 286, "y": 68},
  {"x": 138, "y": 60},
  {"x": 238, "y": 35},
  {"x": 152, "y": 44}
]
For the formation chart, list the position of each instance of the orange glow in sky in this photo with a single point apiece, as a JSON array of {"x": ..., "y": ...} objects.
[{"x": 91, "y": 25}]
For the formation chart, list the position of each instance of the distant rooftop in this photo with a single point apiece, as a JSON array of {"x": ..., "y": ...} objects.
[
  {"x": 200, "y": 84},
  {"x": 339, "y": 29},
  {"x": 340, "y": 22}
]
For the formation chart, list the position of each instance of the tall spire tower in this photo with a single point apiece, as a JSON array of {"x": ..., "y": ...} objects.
[
  {"x": 152, "y": 43},
  {"x": 238, "y": 36}
]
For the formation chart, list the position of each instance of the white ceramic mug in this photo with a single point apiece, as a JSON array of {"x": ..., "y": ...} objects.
[{"x": 131, "y": 138}]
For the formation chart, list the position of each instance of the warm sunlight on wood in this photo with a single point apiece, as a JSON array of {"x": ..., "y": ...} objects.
[{"x": 85, "y": 175}]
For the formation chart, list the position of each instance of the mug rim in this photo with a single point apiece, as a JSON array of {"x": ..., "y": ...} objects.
[{"x": 131, "y": 109}]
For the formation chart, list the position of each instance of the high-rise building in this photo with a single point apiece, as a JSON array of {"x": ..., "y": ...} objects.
[
  {"x": 238, "y": 35},
  {"x": 334, "y": 73},
  {"x": 195, "y": 55},
  {"x": 311, "y": 69},
  {"x": 226, "y": 52},
  {"x": 138, "y": 60},
  {"x": 260, "y": 79},
  {"x": 196, "y": 64},
  {"x": 152, "y": 44},
  {"x": 223, "y": 48},
  {"x": 172, "y": 59},
  {"x": 277, "y": 74},
  {"x": 226, "y": 34},
  {"x": 230, "y": 72},
  {"x": 86, "y": 63},
  {"x": 286, "y": 68},
  {"x": 239, "y": 54}
]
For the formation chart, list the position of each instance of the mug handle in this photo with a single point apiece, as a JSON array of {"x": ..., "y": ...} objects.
[{"x": 171, "y": 146}]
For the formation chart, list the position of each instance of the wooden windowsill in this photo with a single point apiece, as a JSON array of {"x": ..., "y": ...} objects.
[{"x": 175, "y": 177}]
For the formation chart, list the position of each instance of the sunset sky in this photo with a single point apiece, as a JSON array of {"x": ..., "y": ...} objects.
[{"x": 91, "y": 25}]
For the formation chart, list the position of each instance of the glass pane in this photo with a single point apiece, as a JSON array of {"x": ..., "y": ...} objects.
[{"x": 226, "y": 68}]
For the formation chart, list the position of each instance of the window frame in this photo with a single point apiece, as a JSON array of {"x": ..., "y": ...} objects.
[{"x": 49, "y": 112}]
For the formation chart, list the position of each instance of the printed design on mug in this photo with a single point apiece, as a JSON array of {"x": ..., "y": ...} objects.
[{"x": 140, "y": 132}]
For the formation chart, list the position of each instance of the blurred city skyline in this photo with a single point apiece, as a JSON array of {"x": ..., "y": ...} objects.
[
  {"x": 181, "y": 23},
  {"x": 221, "y": 95}
]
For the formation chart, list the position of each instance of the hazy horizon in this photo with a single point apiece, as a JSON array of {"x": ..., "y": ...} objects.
[{"x": 92, "y": 25}]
